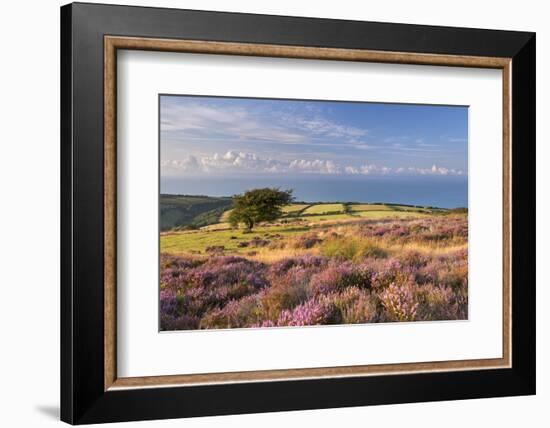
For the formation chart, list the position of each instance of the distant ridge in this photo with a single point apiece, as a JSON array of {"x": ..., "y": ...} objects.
[{"x": 191, "y": 211}]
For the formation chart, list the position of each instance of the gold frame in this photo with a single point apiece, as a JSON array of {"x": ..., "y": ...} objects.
[{"x": 113, "y": 43}]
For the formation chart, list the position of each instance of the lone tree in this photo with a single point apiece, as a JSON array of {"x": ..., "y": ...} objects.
[{"x": 258, "y": 205}]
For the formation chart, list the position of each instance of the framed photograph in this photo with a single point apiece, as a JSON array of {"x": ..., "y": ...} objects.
[{"x": 266, "y": 213}]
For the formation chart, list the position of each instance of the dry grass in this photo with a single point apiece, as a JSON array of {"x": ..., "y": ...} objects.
[
  {"x": 325, "y": 208},
  {"x": 266, "y": 255}
]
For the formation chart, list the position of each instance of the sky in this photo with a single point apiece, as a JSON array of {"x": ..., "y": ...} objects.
[{"x": 262, "y": 138}]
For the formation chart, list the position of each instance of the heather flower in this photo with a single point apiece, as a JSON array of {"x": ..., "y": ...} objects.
[
  {"x": 168, "y": 303},
  {"x": 355, "y": 305},
  {"x": 362, "y": 276},
  {"x": 434, "y": 229},
  {"x": 266, "y": 323},
  {"x": 441, "y": 303},
  {"x": 306, "y": 241},
  {"x": 183, "y": 322},
  {"x": 176, "y": 263},
  {"x": 413, "y": 259},
  {"x": 311, "y": 312},
  {"x": 306, "y": 261},
  {"x": 287, "y": 291},
  {"x": 339, "y": 277},
  {"x": 223, "y": 271},
  {"x": 243, "y": 312},
  {"x": 400, "y": 302},
  {"x": 391, "y": 272}
]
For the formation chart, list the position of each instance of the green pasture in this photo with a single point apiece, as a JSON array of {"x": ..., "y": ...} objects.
[
  {"x": 369, "y": 207},
  {"x": 324, "y": 208},
  {"x": 294, "y": 208},
  {"x": 198, "y": 241},
  {"x": 297, "y": 219}
]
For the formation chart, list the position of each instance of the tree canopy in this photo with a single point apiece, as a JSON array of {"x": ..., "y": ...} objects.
[{"x": 258, "y": 205}]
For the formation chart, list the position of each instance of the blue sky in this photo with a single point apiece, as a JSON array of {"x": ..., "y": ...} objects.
[{"x": 214, "y": 136}]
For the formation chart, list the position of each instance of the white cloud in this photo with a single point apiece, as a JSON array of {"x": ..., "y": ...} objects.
[
  {"x": 315, "y": 166},
  {"x": 371, "y": 169},
  {"x": 244, "y": 162},
  {"x": 435, "y": 170},
  {"x": 189, "y": 164}
]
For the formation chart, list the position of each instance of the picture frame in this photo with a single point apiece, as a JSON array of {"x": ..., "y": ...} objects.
[{"x": 91, "y": 390}]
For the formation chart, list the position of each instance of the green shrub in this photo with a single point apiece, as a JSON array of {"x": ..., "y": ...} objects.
[{"x": 354, "y": 249}]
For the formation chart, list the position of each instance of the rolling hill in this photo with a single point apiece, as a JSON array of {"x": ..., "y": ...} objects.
[
  {"x": 190, "y": 211},
  {"x": 180, "y": 212}
]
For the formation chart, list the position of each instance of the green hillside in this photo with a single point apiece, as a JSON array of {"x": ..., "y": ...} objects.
[{"x": 186, "y": 211}]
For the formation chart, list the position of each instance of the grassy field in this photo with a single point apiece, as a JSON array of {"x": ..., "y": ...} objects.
[
  {"x": 196, "y": 242},
  {"x": 369, "y": 207},
  {"x": 318, "y": 209},
  {"x": 297, "y": 219},
  {"x": 295, "y": 208}
]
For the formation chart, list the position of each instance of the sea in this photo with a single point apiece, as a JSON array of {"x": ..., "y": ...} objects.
[{"x": 428, "y": 190}]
